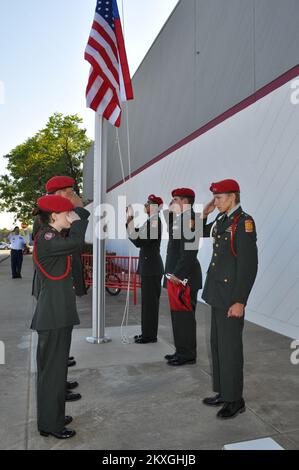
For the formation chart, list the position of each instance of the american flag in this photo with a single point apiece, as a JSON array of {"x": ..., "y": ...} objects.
[{"x": 109, "y": 81}]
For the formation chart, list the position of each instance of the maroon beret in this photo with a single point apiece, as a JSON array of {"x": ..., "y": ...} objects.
[
  {"x": 59, "y": 182},
  {"x": 54, "y": 203},
  {"x": 225, "y": 186},
  {"x": 183, "y": 192},
  {"x": 155, "y": 199}
]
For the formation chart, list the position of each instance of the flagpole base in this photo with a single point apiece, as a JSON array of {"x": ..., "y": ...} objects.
[{"x": 95, "y": 340}]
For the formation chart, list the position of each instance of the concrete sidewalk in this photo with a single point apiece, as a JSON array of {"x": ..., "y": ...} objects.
[{"x": 130, "y": 398}]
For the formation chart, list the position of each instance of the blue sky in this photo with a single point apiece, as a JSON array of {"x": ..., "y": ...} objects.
[{"x": 42, "y": 69}]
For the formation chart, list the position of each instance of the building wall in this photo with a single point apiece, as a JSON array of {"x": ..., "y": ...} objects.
[{"x": 210, "y": 55}]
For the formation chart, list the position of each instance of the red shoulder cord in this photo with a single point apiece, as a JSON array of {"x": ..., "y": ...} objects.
[
  {"x": 234, "y": 227},
  {"x": 52, "y": 278}
]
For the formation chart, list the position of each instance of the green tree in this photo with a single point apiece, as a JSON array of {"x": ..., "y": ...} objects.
[{"x": 58, "y": 149}]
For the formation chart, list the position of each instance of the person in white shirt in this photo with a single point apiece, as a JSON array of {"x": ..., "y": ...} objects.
[{"x": 17, "y": 245}]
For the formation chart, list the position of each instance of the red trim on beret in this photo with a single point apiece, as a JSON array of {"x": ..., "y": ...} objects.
[
  {"x": 225, "y": 186},
  {"x": 54, "y": 203},
  {"x": 183, "y": 192},
  {"x": 155, "y": 199},
  {"x": 59, "y": 182}
]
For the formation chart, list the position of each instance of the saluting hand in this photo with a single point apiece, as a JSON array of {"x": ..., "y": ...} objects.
[
  {"x": 76, "y": 200},
  {"x": 236, "y": 310},
  {"x": 72, "y": 217},
  {"x": 209, "y": 208}
]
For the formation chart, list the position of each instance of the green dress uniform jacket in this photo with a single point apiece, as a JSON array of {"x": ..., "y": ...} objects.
[
  {"x": 56, "y": 303},
  {"x": 182, "y": 262},
  {"x": 77, "y": 268},
  {"x": 148, "y": 239},
  {"x": 230, "y": 278}
]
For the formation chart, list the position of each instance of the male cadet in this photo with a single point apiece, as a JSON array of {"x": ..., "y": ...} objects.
[
  {"x": 150, "y": 267},
  {"x": 182, "y": 263},
  {"x": 63, "y": 186},
  {"x": 17, "y": 245},
  {"x": 230, "y": 278}
]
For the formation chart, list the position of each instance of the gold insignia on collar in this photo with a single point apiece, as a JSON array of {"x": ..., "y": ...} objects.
[{"x": 249, "y": 227}]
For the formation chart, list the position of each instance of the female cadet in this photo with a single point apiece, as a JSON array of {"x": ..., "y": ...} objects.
[{"x": 55, "y": 313}]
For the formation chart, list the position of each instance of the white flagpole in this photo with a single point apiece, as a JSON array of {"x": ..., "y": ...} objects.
[{"x": 99, "y": 254}]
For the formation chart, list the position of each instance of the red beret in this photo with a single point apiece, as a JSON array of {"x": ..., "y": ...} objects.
[
  {"x": 225, "y": 186},
  {"x": 59, "y": 182},
  {"x": 155, "y": 199},
  {"x": 54, "y": 203},
  {"x": 183, "y": 192}
]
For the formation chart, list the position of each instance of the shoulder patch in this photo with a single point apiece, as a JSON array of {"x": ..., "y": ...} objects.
[
  {"x": 49, "y": 235},
  {"x": 249, "y": 226}
]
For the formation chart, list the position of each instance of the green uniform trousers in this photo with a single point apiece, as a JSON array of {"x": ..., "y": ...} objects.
[
  {"x": 227, "y": 354},
  {"x": 52, "y": 357},
  {"x": 184, "y": 330},
  {"x": 150, "y": 299}
]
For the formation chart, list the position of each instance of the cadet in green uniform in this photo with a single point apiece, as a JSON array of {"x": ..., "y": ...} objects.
[
  {"x": 55, "y": 313},
  {"x": 150, "y": 267},
  {"x": 182, "y": 263},
  {"x": 230, "y": 278}
]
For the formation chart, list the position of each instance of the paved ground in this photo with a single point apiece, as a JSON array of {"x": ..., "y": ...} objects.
[{"x": 131, "y": 398}]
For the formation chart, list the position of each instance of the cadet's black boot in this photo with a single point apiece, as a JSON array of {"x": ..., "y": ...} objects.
[
  {"x": 142, "y": 340},
  {"x": 213, "y": 401},
  {"x": 137, "y": 337},
  {"x": 176, "y": 361},
  {"x": 231, "y": 409},
  {"x": 69, "y": 396},
  {"x": 169, "y": 357},
  {"x": 71, "y": 385},
  {"x": 64, "y": 434},
  {"x": 67, "y": 420},
  {"x": 71, "y": 363}
]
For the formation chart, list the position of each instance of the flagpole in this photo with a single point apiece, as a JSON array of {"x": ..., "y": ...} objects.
[{"x": 99, "y": 254}]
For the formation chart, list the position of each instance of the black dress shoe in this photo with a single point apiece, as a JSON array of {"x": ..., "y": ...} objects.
[
  {"x": 142, "y": 340},
  {"x": 69, "y": 396},
  {"x": 231, "y": 409},
  {"x": 67, "y": 420},
  {"x": 71, "y": 358},
  {"x": 213, "y": 401},
  {"x": 64, "y": 434},
  {"x": 180, "y": 362},
  {"x": 169, "y": 357},
  {"x": 71, "y": 363},
  {"x": 137, "y": 337},
  {"x": 71, "y": 385}
]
